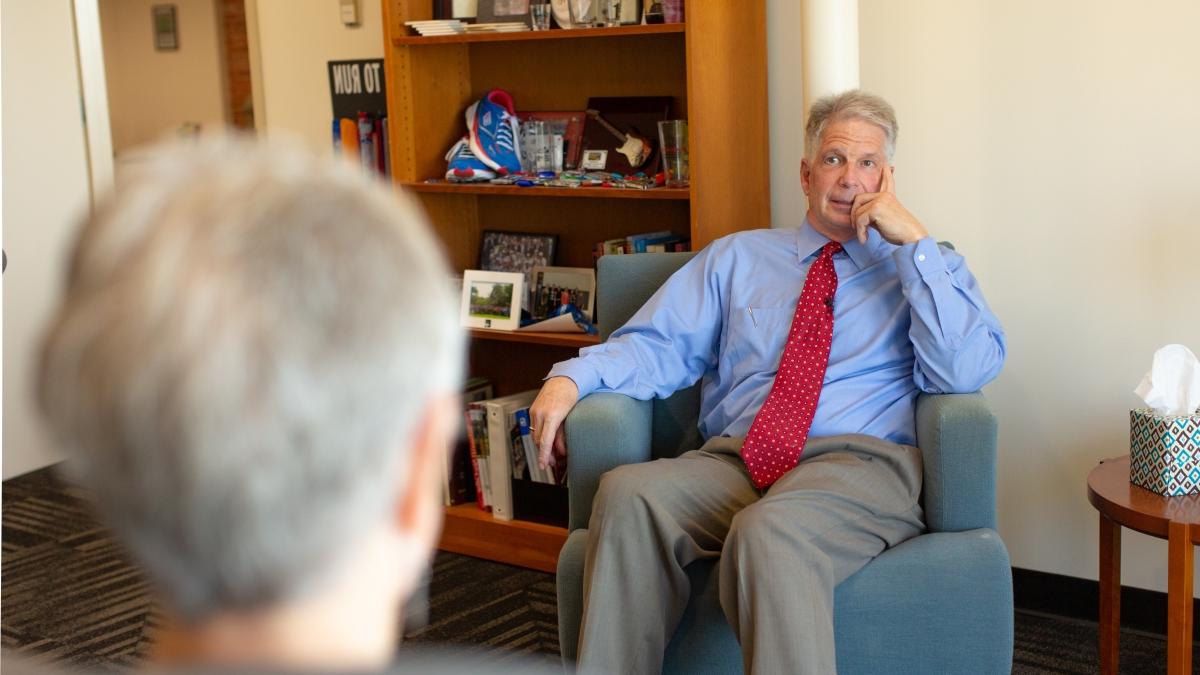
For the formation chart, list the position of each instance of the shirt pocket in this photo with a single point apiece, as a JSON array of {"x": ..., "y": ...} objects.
[{"x": 756, "y": 336}]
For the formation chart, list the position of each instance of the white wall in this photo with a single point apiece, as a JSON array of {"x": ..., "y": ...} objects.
[
  {"x": 45, "y": 185},
  {"x": 295, "y": 40},
  {"x": 153, "y": 93},
  {"x": 1056, "y": 144}
]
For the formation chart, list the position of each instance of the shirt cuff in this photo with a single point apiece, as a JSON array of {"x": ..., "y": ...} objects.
[
  {"x": 919, "y": 259},
  {"x": 584, "y": 376}
]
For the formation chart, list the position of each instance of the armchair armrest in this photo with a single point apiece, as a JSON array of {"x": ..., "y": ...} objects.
[
  {"x": 603, "y": 431},
  {"x": 957, "y": 437}
]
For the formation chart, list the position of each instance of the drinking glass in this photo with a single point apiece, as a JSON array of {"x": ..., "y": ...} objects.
[{"x": 673, "y": 140}]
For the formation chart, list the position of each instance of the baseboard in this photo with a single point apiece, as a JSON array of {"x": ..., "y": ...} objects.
[{"x": 1080, "y": 599}]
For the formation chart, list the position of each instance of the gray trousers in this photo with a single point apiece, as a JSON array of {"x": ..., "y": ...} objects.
[{"x": 782, "y": 551}]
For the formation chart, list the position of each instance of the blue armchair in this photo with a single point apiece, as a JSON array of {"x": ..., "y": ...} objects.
[{"x": 938, "y": 603}]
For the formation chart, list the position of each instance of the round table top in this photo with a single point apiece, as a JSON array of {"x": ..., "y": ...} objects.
[{"x": 1110, "y": 491}]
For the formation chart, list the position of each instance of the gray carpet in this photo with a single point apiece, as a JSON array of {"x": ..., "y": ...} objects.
[{"x": 68, "y": 593}]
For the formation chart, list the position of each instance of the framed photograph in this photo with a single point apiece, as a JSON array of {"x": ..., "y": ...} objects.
[
  {"x": 503, "y": 11},
  {"x": 516, "y": 252},
  {"x": 166, "y": 31},
  {"x": 569, "y": 125},
  {"x": 492, "y": 299},
  {"x": 550, "y": 283}
]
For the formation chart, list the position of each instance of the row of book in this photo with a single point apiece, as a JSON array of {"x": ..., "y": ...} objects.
[
  {"x": 664, "y": 241},
  {"x": 363, "y": 141},
  {"x": 495, "y": 462}
]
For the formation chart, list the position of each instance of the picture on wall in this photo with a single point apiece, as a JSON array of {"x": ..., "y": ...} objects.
[{"x": 166, "y": 31}]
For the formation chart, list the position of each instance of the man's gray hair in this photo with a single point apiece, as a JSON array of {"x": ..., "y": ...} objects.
[
  {"x": 852, "y": 104},
  {"x": 248, "y": 340}
]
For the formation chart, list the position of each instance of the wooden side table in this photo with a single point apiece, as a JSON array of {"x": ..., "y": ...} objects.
[{"x": 1176, "y": 519}]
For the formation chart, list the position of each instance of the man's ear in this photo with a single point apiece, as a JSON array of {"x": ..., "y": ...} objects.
[
  {"x": 429, "y": 446},
  {"x": 804, "y": 175}
]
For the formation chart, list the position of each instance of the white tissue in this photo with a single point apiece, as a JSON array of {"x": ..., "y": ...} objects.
[{"x": 1172, "y": 387}]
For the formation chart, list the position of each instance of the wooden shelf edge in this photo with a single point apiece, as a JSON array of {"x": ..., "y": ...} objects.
[
  {"x": 470, "y": 531},
  {"x": 553, "y": 339},
  {"x": 537, "y": 35},
  {"x": 543, "y": 192}
]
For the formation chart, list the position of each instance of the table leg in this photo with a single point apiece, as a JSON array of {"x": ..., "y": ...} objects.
[
  {"x": 1110, "y": 595},
  {"x": 1179, "y": 599}
]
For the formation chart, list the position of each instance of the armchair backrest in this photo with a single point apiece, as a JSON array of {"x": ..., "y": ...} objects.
[{"x": 623, "y": 284}]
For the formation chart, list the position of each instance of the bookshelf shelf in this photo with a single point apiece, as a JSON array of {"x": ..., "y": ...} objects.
[
  {"x": 553, "y": 339},
  {"x": 471, "y": 531},
  {"x": 531, "y": 36},
  {"x": 541, "y": 191}
]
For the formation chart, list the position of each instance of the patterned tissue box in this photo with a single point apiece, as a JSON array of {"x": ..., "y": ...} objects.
[{"x": 1164, "y": 452}]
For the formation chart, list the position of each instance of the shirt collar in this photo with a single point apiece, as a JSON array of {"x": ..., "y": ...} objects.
[{"x": 809, "y": 242}]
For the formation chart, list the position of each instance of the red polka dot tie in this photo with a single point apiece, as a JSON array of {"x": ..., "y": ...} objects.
[{"x": 780, "y": 429}]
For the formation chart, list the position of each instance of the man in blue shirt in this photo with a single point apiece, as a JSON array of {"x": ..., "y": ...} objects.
[{"x": 908, "y": 317}]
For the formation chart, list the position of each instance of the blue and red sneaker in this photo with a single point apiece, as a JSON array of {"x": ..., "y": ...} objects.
[
  {"x": 492, "y": 123},
  {"x": 464, "y": 166}
]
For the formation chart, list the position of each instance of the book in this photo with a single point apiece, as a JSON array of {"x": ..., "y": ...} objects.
[
  {"x": 349, "y": 138},
  {"x": 458, "y": 479},
  {"x": 633, "y": 239},
  {"x": 477, "y": 419},
  {"x": 501, "y": 418},
  {"x": 529, "y": 448}
]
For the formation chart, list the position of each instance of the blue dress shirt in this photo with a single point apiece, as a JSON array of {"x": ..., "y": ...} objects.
[{"x": 907, "y": 319}]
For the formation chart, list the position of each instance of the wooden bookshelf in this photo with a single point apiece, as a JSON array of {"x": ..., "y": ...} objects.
[{"x": 715, "y": 69}]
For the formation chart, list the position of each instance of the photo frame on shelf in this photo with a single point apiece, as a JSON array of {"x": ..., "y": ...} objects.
[
  {"x": 502, "y": 11},
  {"x": 631, "y": 12},
  {"x": 549, "y": 283},
  {"x": 501, "y": 251},
  {"x": 492, "y": 299}
]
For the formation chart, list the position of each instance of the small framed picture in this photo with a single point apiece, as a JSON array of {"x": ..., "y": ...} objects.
[
  {"x": 492, "y": 299},
  {"x": 551, "y": 284},
  {"x": 503, "y": 11},
  {"x": 594, "y": 160},
  {"x": 166, "y": 31}
]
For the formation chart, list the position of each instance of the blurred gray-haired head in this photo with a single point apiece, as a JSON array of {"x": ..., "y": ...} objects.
[
  {"x": 248, "y": 340},
  {"x": 848, "y": 105}
]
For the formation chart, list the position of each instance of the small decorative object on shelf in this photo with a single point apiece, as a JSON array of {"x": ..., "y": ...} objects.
[{"x": 503, "y": 11}]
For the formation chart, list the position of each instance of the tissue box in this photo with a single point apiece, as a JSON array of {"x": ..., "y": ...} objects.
[{"x": 1164, "y": 452}]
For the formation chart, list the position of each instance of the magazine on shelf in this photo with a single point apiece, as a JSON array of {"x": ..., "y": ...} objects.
[{"x": 501, "y": 420}]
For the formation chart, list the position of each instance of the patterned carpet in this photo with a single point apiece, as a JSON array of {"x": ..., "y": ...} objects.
[{"x": 69, "y": 594}]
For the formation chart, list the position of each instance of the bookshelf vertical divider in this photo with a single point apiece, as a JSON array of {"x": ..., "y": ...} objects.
[{"x": 714, "y": 67}]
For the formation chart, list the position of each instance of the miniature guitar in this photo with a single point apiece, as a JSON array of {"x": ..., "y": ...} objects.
[{"x": 635, "y": 148}]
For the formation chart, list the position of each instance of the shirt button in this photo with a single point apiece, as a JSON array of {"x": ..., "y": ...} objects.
[{"x": 921, "y": 257}]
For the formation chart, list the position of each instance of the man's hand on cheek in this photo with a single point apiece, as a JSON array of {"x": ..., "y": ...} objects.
[{"x": 883, "y": 211}]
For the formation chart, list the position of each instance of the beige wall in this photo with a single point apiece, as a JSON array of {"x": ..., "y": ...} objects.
[
  {"x": 153, "y": 93},
  {"x": 45, "y": 193},
  {"x": 295, "y": 40},
  {"x": 1055, "y": 143}
]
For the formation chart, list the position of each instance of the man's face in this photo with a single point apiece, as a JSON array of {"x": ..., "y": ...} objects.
[{"x": 849, "y": 161}]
